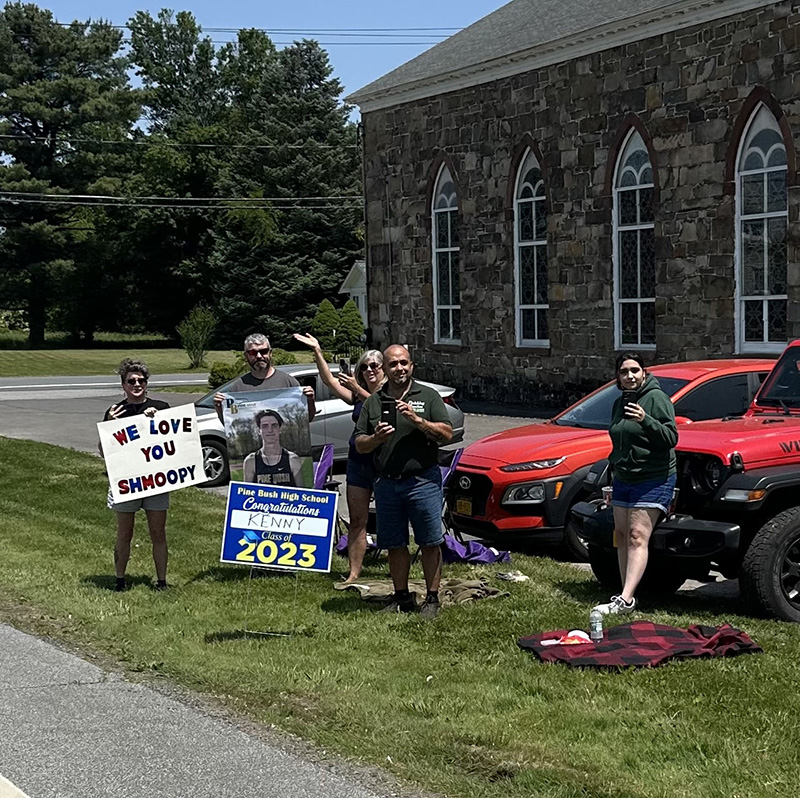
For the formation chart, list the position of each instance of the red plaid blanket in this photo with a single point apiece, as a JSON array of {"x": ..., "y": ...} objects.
[{"x": 643, "y": 643}]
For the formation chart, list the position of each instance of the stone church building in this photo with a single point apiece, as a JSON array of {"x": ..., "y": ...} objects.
[{"x": 566, "y": 179}]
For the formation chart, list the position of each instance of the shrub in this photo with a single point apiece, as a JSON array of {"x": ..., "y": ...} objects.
[
  {"x": 326, "y": 324},
  {"x": 280, "y": 357},
  {"x": 196, "y": 332},
  {"x": 222, "y": 372},
  {"x": 14, "y": 320},
  {"x": 352, "y": 326}
]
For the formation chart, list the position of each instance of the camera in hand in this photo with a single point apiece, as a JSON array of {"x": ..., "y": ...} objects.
[
  {"x": 389, "y": 412},
  {"x": 344, "y": 366}
]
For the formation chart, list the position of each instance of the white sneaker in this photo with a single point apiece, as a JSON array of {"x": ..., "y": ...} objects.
[{"x": 617, "y": 606}]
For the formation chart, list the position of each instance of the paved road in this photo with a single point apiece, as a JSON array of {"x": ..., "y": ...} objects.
[
  {"x": 71, "y": 730},
  {"x": 65, "y": 410}
]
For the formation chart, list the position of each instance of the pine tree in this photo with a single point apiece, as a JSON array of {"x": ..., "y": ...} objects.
[
  {"x": 57, "y": 84},
  {"x": 276, "y": 281},
  {"x": 326, "y": 325},
  {"x": 352, "y": 326}
]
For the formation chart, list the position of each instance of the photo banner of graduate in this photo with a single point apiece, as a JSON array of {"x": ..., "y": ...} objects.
[
  {"x": 269, "y": 439},
  {"x": 146, "y": 456}
]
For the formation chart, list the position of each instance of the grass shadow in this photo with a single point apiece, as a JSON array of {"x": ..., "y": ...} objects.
[
  {"x": 109, "y": 581},
  {"x": 705, "y": 599},
  {"x": 244, "y": 634},
  {"x": 234, "y": 573},
  {"x": 348, "y": 602}
]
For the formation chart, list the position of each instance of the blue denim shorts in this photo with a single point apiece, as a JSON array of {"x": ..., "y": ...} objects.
[
  {"x": 360, "y": 473},
  {"x": 417, "y": 499},
  {"x": 655, "y": 493}
]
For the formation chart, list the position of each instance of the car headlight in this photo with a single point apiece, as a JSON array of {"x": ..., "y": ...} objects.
[
  {"x": 713, "y": 474},
  {"x": 532, "y": 465},
  {"x": 526, "y": 493}
]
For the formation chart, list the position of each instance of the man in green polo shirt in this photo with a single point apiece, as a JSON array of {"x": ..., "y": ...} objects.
[{"x": 403, "y": 424}]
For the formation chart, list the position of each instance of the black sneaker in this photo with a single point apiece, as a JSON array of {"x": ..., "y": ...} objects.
[
  {"x": 405, "y": 604},
  {"x": 161, "y": 584},
  {"x": 429, "y": 610},
  {"x": 120, "y": 585}
]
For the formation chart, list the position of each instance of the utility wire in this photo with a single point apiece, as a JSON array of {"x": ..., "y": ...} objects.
[
  {"x": 355, "y": 31},
  {"x": 127, "y": 40},
  {"x": 111, "y": 197},
  {"x": 206, "y": 207},
  {"x": 150, "y": 142}
]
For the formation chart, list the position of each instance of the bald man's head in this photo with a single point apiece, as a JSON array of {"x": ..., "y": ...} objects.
[{"x": 398, "y": 366}]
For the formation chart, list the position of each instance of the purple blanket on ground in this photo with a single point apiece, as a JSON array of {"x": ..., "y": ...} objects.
[
  {"x": 472, "y": 552},
  {"x": 452, "y": 551}
]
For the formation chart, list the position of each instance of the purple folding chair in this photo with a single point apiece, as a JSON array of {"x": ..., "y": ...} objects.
[
  {"x": 322, "y": 469},
  {"x": 448, "y": 462}
]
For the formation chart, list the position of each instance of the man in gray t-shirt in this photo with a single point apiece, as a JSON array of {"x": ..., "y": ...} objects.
[{"x": 263, "y": 375}]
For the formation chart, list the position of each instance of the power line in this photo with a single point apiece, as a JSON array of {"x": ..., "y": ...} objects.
[
  {"x": 404, "y": 42},
  {"x": 206, "y": 207},
  {"x": 444, "y": 30},
  {"x": 176, "y": 199},
  {"x": 151, "y": 142}
]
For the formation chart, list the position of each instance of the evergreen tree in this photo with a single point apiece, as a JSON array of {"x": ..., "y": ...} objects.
[
  {"x": 59, "y": 86},
  {"x": 185, "y": 103},
  {"x": 352, "y": 325},
  {"x": 276, "y": 280},
  {"x": 326, "y": 325}
]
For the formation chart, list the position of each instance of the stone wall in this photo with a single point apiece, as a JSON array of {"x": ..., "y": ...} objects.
[{"x": 687, "y": 90}]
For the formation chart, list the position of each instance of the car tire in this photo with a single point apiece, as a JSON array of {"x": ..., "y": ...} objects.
[
  {"x": 661, "y": 577},
  {"x": 215, "y": 463},
  {"x": 574, "y": 543},
  {"x": 770, "y": 573}
]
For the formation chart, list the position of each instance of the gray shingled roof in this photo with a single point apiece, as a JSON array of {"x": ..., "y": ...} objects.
[{"x": 515, "y": 27}]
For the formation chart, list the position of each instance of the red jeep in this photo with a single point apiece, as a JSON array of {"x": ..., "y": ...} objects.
[{"x": 738, "y": 505}]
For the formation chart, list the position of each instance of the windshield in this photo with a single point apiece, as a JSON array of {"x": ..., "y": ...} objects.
[
  {"x": 782, "y": 386},
  {"x": 594, "y": 412}
]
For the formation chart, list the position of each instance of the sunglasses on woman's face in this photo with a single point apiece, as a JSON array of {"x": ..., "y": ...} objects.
[
  {"x": 136, "y": 381},
  {"x": 373, "y": 366}
]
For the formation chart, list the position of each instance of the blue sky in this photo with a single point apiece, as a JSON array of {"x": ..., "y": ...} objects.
[{"x": 355, "y": 65}]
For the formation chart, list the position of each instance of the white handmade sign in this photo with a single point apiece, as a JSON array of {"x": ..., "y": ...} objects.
[{"x": 147, "y": 455}]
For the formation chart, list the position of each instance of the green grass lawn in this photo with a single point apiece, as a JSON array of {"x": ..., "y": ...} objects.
[
  {"x": 81, "y": 362},
  {"x": 452, "y": 705}
]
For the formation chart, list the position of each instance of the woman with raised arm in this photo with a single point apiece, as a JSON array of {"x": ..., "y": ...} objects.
[
  {"x": 368, "y": 378},
  {"x": 643, "y": 436}
]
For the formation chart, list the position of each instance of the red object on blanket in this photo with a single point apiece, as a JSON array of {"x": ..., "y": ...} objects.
[{"x": 643, "y": 643}]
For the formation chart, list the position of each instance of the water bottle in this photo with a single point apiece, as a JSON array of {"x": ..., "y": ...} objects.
[{"x": 596, "y": 626}]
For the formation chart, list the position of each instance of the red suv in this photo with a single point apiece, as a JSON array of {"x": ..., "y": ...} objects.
[{"x": 525, "y": 481}]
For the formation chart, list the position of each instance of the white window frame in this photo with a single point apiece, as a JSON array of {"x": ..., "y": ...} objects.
[
  {"x": 617, "y": 229},
  {"x": 760, "y": 113},
  {"x": 443, "y": 177},
  {"x": 529, "y": 161}
]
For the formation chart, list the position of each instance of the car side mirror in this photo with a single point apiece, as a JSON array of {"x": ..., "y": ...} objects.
[{"x": 683, "y": 420}]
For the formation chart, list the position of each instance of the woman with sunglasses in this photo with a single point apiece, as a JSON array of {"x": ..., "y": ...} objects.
[
  {"x": 135, "y": 375},
  {"x": 368, "y": 378}
]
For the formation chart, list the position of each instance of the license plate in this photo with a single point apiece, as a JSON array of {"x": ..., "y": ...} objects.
[{"x": 464, "y": 506}]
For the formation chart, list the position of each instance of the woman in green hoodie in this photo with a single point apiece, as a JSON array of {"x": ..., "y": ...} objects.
[{"x": 643, "y": 434}]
